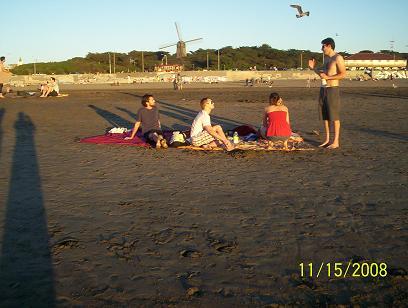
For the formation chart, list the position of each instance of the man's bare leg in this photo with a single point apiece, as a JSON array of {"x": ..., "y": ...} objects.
[
  {"x": 219, "y": 131},
  {"x": 327, "y": 130},
  {"x": 156, "y": 139},
  {"x": 335, "y": 143},
  {"x": 44, "y": 91}
]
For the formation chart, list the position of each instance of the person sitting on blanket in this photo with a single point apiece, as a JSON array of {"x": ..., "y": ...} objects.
[
  {"x": 50, "y": 89},
  {"x": 148, "y": 117},
  {"x": 276, "y": 125},
  {"x": 203, "y": 133}
]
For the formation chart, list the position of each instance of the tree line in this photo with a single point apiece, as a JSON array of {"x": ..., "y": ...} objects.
[{"x": 242, "y": 58}]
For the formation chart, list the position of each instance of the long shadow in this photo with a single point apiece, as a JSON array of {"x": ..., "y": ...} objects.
[
  {"x": 112, "y": 118},
  {"x": 377, "y": 95},
  {"x": 381, "y": 133},
  {"x": 26, "y": 273},
  {"x": 190, "y": 114},
  {"x": 2, "y": 112}
]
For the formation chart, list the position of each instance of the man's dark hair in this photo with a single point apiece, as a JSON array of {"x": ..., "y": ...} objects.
[
  {"x": 53, "y": 78},
  {"x": 145, "y": 99},
  {"x": 2, "y": 58},
  {"x": 329, "y": 41}
]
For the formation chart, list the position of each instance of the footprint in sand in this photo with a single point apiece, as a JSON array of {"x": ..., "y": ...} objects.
[{"x": 190, "y": 253}]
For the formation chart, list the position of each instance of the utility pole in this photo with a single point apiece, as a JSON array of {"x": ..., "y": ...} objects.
[
  {"x": 110, "y": 64},
  {"x": 392, "y": 48},
  {"x": 218, "y": 58},
  {"x": 208, "y": 66},
  {"x": 35, "y": 68},
  {"x": 114, "y": 63},
  {"x": 143, "y": 63},
  {"x": 301, "y": 59}
]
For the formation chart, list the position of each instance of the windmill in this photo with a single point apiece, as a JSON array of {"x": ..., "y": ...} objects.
[{"x": 181, "y": 45}]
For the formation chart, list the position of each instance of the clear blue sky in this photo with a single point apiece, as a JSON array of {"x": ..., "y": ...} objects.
[{"x": 59, "y": 30}]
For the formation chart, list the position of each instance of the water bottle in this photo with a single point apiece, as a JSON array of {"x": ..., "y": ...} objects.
[{"x": 235, "y": 138}]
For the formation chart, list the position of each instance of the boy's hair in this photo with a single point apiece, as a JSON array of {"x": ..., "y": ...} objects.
[
  {"x": 274, "y": 99},
  {"x": 2, "y": 58},
  {"x": 329, "y": 41},
  {"x": 53, "y": 78},
  {"x": 203, "y": 102},
  {"x": 145, "y": 99}
]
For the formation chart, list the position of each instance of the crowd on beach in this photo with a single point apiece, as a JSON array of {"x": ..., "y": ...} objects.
[{"x": 275, "y": 123}]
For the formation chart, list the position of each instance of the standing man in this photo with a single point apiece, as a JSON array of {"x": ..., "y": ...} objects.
[
  {"x": 4, "y": 75},
  {"x": 329, "y": 100}
]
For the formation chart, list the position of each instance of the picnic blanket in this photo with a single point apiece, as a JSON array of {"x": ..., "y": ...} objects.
[
  {"x": 296, "y": 142},
  {"x": 119, "y": 138}
]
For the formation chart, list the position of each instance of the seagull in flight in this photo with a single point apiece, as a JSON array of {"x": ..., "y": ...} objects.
[{"x": 299, "y": 8}]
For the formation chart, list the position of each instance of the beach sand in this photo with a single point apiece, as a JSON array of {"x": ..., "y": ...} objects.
[{"x": 105, "y": 225}]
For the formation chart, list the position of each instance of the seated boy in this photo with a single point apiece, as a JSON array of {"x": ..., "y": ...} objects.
[
  {"x": 51, "y": 89},
  {"x": 203, "y": 133},
  {"x": 148, "y": 117}
]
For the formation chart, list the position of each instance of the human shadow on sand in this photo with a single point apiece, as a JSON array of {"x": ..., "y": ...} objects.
[
  {"x": 26, "y": 273},
  {"x": 2, "y": 112},
  {"x": 112, "y": 118},
  {"x": 381, "y": 133},
  {"x": 187, "y": 115}
]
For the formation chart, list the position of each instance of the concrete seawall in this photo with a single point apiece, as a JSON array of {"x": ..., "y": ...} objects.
[{"x": 191, "y": 76}]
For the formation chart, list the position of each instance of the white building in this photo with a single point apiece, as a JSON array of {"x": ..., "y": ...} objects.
[{"x": 377, "y": 61}]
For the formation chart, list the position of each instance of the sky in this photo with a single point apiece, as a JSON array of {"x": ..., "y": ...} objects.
[{"x": 58, "y": 30}]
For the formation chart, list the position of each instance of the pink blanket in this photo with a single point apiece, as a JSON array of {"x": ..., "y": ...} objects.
[{"x": 138, "y": 140}]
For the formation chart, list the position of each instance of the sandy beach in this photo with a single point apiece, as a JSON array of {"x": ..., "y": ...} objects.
[{"x": 107, "y": 225}]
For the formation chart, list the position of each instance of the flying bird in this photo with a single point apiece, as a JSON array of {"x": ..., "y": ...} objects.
[{"x": 300, "y": 11}]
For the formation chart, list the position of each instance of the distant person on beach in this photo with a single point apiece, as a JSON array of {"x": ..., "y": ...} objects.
[
  {"x": 203, "y": 133},
  {"x": 148, "y": 118},
  {"x": 178, "y": 82},
  {"x": 276, "y": 124},
  {"x": 4, "y": 72},
  {"x": 50, "y": 89},
  {"x": 331, "y": 73}
]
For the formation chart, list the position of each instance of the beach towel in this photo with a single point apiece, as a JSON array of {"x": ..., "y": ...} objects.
[
  {"x": 110, "y": 138},
  {"x": 295, "y": 143}
]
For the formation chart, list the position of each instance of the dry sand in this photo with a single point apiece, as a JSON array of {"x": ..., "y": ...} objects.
[{"x": 100, "y": 225}]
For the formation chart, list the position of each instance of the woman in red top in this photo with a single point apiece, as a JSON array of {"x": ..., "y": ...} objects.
[{"x": 276, "y": 125}]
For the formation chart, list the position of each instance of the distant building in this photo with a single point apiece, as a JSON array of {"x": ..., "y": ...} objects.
[
  {"x": 168, "y": 68},
  {"x": 11, "y": 66},
  {"x": 374, "y": 60}
]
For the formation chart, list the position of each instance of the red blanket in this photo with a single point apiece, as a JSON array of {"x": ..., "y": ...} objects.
[{"x": 138, "y": 140}]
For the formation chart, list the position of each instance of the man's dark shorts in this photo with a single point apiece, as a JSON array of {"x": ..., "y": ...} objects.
[
  {"x": 53, "y": 93},
  {"x": 152, "y": 131},
  {"x": 329, "y": 104}
]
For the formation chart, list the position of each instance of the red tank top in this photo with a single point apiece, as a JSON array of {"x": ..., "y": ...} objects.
[{"x": 278, "y": 125}]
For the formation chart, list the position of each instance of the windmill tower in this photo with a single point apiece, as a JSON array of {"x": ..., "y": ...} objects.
[{"x": 181, "y": 45}]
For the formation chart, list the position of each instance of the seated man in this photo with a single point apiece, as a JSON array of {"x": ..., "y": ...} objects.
[
  {"x": 203, "y": 133},
  {"x": 148, "y": 117},
  {"x": 50, "y": 89}
]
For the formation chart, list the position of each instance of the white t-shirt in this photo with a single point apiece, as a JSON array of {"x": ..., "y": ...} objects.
[
  {"x": 55, "y": 86},
  {"x": 202, "y": 119}
]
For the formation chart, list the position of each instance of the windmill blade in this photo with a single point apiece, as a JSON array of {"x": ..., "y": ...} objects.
[
  {"x": 197, "y": 39},
  {"x": 168, "y": 46},
  {"x": 178, "y": 32}
]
